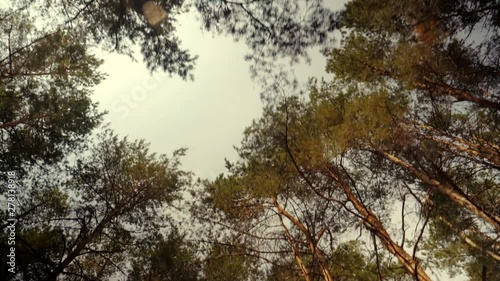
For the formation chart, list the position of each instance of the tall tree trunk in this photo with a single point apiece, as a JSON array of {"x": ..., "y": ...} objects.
[
  {"x": 469, "y": 241},
  {"x": 477, "y": 151},
  {"x": 372, "y": 222},
  {"x": 295, "y": 251},
  {"x": 455, "y": 195},
  {"x": 460, "y": 95},
  {"x": 312, "y": 243}
]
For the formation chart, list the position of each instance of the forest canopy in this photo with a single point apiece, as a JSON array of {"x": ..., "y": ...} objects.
[{"x": 388, "y": 169}]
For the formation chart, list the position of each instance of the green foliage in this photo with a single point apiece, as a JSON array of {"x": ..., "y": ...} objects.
[
  {"x": 169, "y": 258},
  {"x": 350, "y": 263},
  {"x": 270, "y": 28},
  {"x": 87, "y": 221},
  {"x": 410, "y": 119},
  {"x": 412, "y": 107},
  {"x": 45, "y": 86},
  {"x": 419, "y": 53},
  {"x": 227, "y": 264}
]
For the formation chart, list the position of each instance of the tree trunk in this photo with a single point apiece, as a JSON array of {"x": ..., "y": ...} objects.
[
  {"x": 82, "y": 244},
  {"x": 312, "y": 244},
  {"x": 411, "y": 265},
  {"x": 14, "y": 123},
  {"x": 455, "y": 195},
  {"x": 460, "y": 95},
  {"x": 469, "y": 241},
  {"x": 296, "y": 255}
]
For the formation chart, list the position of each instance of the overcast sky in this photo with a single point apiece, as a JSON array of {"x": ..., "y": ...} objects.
[{"x": 207, "y": 115}]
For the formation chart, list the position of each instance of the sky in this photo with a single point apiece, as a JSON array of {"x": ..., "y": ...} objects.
[{"x": 207, "y": 115}]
